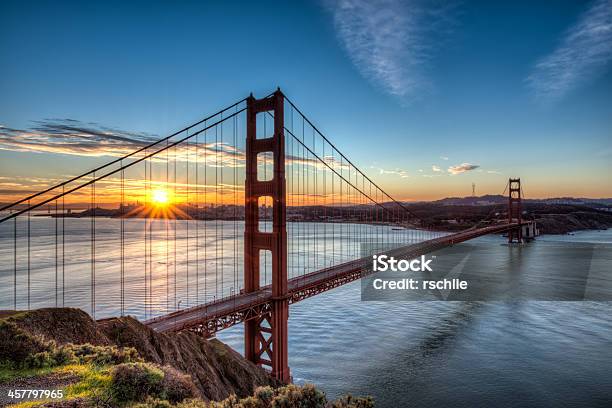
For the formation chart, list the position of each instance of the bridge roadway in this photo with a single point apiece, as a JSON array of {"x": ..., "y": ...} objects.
[{"x": 211, "y": 317}]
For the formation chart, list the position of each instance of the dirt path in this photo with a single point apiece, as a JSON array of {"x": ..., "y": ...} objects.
[{"x": 53, "y": 381}]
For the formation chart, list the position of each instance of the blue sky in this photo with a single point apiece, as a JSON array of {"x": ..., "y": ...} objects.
[{"x": 427, "y": 97}]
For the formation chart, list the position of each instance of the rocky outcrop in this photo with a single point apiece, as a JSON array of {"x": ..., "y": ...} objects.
[
  {"x": 217, "y": 370},
  {"x": 66, "y": 325}
]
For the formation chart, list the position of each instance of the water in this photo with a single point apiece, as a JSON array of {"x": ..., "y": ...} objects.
[
  {"x": 168, "y": 264},
  {"x": 459, "y": 354},
  {"x": 417, "y": 354}
]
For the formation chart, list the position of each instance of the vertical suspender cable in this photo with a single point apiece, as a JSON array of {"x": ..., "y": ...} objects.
[
  {"x": 63, "y": 245},
  {"x": 145, "y": 217},
  {"x": 169, "y": 216},
  {"x": 175, "y": 222},
  {"x": 206, "y": 151},
  {"x": 122, "y": 221},
  {"x": 29, "y": 255},
  {"x": 15, "y": 263},
  {"x": 197, "y": 217},
  {"x": 235, "y": 186},
  {"x": 56, "y": 257},
  {"x": 187, "y": 151},
  {"x": 93, "y": 248},
  {"x": 216, "y": 214},
  {"x": 151, "y": 221},
  {"x": 222, "y": 190}
]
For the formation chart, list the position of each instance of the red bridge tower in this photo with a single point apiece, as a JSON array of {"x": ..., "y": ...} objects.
[
  {"x": 515, "y": 210},
  {"x": 265, "y": 337}
]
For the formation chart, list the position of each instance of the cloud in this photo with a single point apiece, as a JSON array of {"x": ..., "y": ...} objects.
[
  {"x": 389, "y": 41},
  {"x": 436, "y": 168},
  {"x": 462, "y": 168},
  {"x": 69, "y": 136},
  {"x": 584, "y": 52},
  {"x": 397, "y": 172},
  {"x": 72, "y": 137},
  {"x": 444, "y": 157}
]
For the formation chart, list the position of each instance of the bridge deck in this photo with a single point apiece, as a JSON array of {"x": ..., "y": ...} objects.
[{"x": 223, "y": 313}]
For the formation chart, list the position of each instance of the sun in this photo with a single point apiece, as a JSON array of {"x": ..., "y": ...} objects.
[{"x": 160, "y": 197}]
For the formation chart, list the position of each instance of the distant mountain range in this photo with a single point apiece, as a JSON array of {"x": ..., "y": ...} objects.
[
  {"x": 500, "y": 199},
  {"x": 472, "y": 201}
]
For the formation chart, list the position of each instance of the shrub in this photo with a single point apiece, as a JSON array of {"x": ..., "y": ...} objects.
[
  {"x": 103, "y": 355},
  {"x": 293, "y": 395},
  {"x": 16, "y": 345},
  {"x": 153, "y": 403},
  {"x": 63, "y": 355},
  {"x": 250, "y": 402},
  {"x": 312, "y": 397},
  {"x": 135, "y": 382},
  {"x": 289, "y": 396},
  {"x": 264, "y": 394},
  {"x": 198, "y": 403},
  {"x": 353, "y": 402},
  {"x": 21, "y": 350},
  {"x": 177, "y": 386},
  {"x": 39, "y": 360}
]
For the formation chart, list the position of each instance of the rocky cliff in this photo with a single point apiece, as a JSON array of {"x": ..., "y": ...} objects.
[{"x": 216, "y": 369}]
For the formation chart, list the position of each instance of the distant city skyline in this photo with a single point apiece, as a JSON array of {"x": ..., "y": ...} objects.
[{"x": 426, "y": 98}]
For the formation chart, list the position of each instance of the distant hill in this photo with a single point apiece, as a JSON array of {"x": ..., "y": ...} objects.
[
  {"x": 482, "y": 200},
  {"x": 577, "y": 201},
  {"x": 499, "y": 199}
]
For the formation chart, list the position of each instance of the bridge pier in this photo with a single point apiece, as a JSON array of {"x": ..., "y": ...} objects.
[{"x": 266, "y": 337}]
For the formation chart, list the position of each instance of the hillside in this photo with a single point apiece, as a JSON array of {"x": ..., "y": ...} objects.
[
  {"x": 120, "y": 362},
  {"x": 501, "y": 199},
  {"x": 216, "y": 369},
  {"x": 551, "y": 218}
]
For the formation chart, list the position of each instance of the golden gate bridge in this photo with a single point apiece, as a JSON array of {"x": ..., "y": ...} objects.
[{"x": 229, "y": 220}]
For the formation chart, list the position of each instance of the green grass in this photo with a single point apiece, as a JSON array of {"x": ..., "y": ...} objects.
[
  {"x": 94, "y": 381},
  {"x": 8, "y": 373}
]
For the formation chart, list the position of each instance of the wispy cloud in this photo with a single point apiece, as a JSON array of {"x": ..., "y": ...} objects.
[
  {"x": 72, "y": 137},
  {"x": 396, "y": 172},
  {"x": 69, "y": 136},
  {"x": 389, "y": 41},
  {"x": 462, "y": 168},
  {"x": 436, "y": 168},
  {"x": 444, "y": 157},
  {"x": 584, "y": 52}
]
